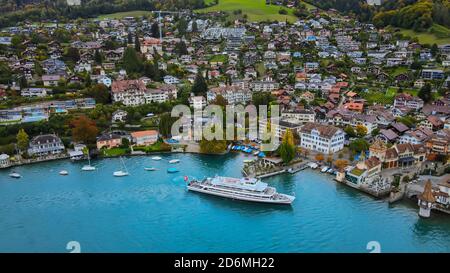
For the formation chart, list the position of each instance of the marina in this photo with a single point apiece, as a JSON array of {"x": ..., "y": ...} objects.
[{"x": 154, "y": 212}]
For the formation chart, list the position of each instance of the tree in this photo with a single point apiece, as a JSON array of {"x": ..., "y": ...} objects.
[
  {"x": 22, "y": 140},
  {"x": 359, "y": 145},
  {"x": 341, "y": 164},
  {"x": 361, "y": 130},
  {"x": 213, "y": 146},
  {"x": 98, "y": 58},
  {"x": 84, "y": 129},
  {"x": 137, "y": 44},
  {"x": 434, "y": 50},
  {"x": 200, "y": 87},
  {"x": 182, "y": 26},
  {"x": 129, "y": 38},
  {"x": 155, "y": 30},
  {"x": 425, "y": 93},
  {"x": 5, "y": 73},
  {"x": 220, "y": 100},
  {"x": 194, "y": 26},
  {"x": 131, "y": 61},
  {"x": 287, "y": 147},
  {"x": 319, "y": 157},
  {"x": 181, "y": 48},
  {"x": 349, "y": 131},
  {"x": 100, "y": 93},
  {"x": 165, "y": 124},
  {"x": 72, "y": 54}
]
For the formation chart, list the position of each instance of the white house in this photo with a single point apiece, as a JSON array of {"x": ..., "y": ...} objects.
[
  {"x": 321, "y": 138},
  {"x": 171, "y": 80}
]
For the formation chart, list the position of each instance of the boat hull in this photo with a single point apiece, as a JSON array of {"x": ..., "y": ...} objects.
[{"x": 242, "y": 198}]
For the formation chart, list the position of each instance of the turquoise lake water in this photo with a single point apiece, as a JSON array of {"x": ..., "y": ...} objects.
[{"x": 153, "y": 212}]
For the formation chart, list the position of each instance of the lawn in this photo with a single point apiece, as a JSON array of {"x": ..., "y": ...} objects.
[
  {"x": 436, "y": 34},
  {"x": 114, "y": 152},
  {"x": 219, "y": 58},
  {"x": 120, "y": 15},
  {"x": 256, "y": 10},
  {"x": 157, "y": 147}
]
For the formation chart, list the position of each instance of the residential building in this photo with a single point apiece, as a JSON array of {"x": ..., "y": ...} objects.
[
  {"x": 4, "y": 161},
  {"x": 233, "y": 94},
  {"x": 408, "y": 101},
  {"x": 109, "y": 140},
  {"x": 129, "y": 92},
  {"x": 322, "y": 138},
  {"x": 43, "y": 145},
  {"x": 142, "y": 138}
]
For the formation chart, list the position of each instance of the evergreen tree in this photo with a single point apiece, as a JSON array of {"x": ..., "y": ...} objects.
[
  {"x": 194, "y": 26},
  {"x": 155, "y": 30},
  {"x": 181, "y": 48},
  {"x": 129, "y": 38},
  {"x": 137, "y": 44},
  {"x": 200, "y": 87},
  {"x": 425, "y": 93},
  {"x": 98, "y": 58},
  {"x": 132, "y": 63}
]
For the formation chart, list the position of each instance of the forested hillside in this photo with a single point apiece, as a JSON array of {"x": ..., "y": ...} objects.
[{"x": 13, "y": 11}]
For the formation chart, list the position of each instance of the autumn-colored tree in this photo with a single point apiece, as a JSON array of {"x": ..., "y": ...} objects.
[
  {"x": 287, "y": 147},
  {"x": 84, "y": 129},
  {"x": 341, "y": 164},
  {"x": 22, "y": 140},
  {"x": 319, "y": 157},
  {"x": 432, "y": 157},
  {"x": 361, "y": 130}
]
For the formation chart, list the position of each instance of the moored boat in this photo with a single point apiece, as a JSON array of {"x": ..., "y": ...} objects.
[
  {"x": 150, "y": 169},
  {"x": 156, "y": 158},
  {"x": 173, "y": 161},
  {"x": 15, "y": 175},
  {"x": 324, "y": 169},
  {"x": 63, "y": 172},
  {"x": 246, "y": 189},
  {"x": 172, "y": 170}
]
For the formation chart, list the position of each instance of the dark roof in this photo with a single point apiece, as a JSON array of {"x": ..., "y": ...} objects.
[{"x": 44, "y": 139}]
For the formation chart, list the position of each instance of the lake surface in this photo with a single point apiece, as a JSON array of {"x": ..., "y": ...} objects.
[{"x": 153, "y": 212}]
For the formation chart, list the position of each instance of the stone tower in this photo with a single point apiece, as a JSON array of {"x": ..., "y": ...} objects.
[{"x": 426, "y": 201}]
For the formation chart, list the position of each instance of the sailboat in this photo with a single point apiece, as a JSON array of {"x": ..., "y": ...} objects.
[
  {"x": 88, "y": 167},
  {"x": 121, "y": 172}
]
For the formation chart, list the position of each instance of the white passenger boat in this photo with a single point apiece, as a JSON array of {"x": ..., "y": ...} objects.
[
  {"x": 173, "y": 161},
  {"x": 15, "y": 175},
  {"x": 313, "y": 165},
  {"x": 63, "y": 172},
  {"x": 324, "y": 169},
  {"x": 156, "y": 158},
  {"x": 247, "y": 189}
]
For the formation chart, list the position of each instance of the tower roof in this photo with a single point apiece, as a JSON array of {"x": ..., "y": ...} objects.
[{"x": 427, "y": 194}]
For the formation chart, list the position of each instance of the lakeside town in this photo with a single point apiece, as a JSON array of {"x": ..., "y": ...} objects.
[{"x": 367, "y": 105}]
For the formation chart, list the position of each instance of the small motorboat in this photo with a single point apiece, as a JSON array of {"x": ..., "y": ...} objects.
[
  {"x": 15, "y": 175},
  {"x": 172, "y": 170},
  {"x": 256, "y": 153},
  {"x": 150, "y": 169},
  {"x": 63, "y": 172},
  {"x": 330, "y": 170},
  {"x": 120, "y": 173},
  {"x": 324, "y": 169},
  {"x": 156, "y": 158},
  {"x": 248, "y": 160},
  {"x": 173, "y": 161}
]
